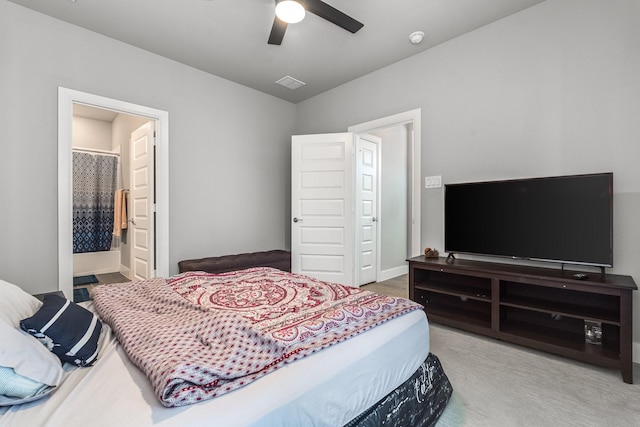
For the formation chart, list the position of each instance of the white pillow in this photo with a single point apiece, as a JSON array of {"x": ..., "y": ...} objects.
[
  {"x": 28, "y": 357},
  {"x": 20, "y": 350},
  {"x": 16, "y": 304}
]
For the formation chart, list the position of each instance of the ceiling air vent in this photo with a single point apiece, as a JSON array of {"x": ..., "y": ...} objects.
[{"x": 290, "y": 83}]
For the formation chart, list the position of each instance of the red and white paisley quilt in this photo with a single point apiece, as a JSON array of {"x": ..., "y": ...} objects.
[{"x": 199, "y": 335}]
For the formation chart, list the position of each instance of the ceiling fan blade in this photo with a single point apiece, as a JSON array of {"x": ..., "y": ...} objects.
[
  {"x": 277, "y": 31},
  {"x": 333, "y": 15}
]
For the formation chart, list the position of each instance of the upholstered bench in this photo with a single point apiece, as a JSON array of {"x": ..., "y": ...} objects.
[{"x": 279, "y": 259}]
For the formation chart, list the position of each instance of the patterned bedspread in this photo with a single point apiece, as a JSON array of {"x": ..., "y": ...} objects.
[{"x": 199, "y": 335}]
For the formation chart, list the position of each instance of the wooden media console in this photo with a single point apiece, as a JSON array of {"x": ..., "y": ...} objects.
[{"x": 542, "y": 308}]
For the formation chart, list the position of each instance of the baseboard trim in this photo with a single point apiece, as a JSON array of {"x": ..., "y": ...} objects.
[
  {"x": 393, "y": 272},
  {"x": 125, "y": 271}
]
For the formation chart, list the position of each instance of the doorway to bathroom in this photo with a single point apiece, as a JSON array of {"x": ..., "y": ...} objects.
[{"x": 101, "y": 127}]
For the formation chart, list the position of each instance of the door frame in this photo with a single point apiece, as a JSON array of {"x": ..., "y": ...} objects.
[
  {"x": 414, "y": 118},
  {"x": 66, "y": 99}
]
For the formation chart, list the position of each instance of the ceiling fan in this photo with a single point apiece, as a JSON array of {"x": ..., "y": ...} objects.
[{"x": 292, "y": 11}]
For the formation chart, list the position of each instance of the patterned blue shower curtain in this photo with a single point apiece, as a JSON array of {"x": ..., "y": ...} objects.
[{"x": 94, "y": 184}]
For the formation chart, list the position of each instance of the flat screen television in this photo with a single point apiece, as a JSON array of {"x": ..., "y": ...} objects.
[{"x": 564, "y": 219}]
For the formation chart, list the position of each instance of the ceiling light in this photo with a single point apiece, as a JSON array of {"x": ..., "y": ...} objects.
[
  {"x": 416, "y": 37},
  {"x": 290, "y": 11}
]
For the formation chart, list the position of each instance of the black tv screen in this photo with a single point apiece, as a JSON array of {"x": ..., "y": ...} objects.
[{"x": 567, "y": 219}]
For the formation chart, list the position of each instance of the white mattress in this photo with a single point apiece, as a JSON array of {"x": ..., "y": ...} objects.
[{"x": 328, "y": 388}]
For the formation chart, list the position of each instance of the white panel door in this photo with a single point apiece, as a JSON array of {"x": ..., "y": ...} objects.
[
  {"x": 366, "y": 194},
  {"x": 322, "y": 207},
  {"x": 141, "y": 209}
]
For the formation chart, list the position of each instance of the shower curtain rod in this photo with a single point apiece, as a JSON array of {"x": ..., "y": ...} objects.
[{"x": 91, "y": 150}]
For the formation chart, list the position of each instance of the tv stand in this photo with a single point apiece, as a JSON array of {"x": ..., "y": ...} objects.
[{"x": 541, "y": 308}]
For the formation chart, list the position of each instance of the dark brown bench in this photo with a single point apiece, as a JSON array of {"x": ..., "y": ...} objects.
[{"x": 277, "y": 258}]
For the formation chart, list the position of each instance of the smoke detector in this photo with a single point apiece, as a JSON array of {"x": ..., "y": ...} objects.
[{"x": 416, "y": 37}]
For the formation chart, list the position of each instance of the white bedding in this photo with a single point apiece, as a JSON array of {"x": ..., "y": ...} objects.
[{"x": 328, "y": 388}]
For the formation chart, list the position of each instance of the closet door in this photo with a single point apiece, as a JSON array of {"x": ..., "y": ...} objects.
[{"x": 322, "y": 202}]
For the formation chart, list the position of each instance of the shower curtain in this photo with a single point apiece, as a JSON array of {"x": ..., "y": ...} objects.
[{"x": 94, "y": 185}]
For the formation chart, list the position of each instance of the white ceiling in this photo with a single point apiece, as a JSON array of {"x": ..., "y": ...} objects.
[{"x": 228, "y": 38}]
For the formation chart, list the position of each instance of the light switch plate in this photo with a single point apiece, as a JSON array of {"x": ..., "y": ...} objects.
[{"x": 433, "y": 181}]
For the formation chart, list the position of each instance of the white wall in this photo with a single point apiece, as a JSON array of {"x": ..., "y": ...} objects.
[
  {"x": 394, "y": 197},
  {"x": 552, "y": 90},
  {"x": 122, "y": 127},
  {"x": 91, "y": 133},
  {"x": 229, "y": 182}
]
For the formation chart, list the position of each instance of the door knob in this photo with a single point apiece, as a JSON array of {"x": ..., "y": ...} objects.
[
  {"x": 374, "y": 219},
  {"x": 296, "y": 220},
  {"x": 132, "y": 221}
]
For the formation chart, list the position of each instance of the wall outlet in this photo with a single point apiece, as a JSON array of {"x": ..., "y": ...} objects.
[{"x": 433, "y": 181}]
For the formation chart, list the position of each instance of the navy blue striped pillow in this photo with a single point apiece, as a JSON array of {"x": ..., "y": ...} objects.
[{"x": 71, "y": 332}]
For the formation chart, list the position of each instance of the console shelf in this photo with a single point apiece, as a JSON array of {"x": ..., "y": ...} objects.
[
  {"x": 562, "y": 309},
  {"x": 458, "y": 291},
  {"x": 542, "y": 308}
]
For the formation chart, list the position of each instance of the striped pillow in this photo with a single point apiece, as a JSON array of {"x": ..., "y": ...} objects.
[{"x": 71, "y": 332}]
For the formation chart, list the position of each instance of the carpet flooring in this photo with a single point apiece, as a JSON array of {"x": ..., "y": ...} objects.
[{"x": 498, "y": 384}]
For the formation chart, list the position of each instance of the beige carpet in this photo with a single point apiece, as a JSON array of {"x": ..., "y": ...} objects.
[{"x": 499, "y": 384}]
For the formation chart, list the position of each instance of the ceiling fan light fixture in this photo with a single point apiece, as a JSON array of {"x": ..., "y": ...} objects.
[{"x": 290, "y": 11}]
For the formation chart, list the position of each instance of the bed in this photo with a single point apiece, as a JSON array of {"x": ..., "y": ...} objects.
[{"x": 381, "y": 375}]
